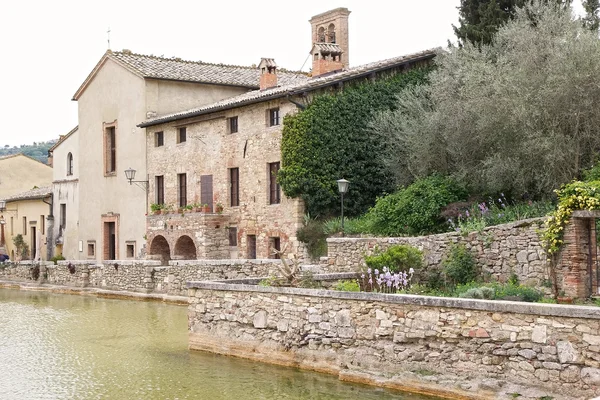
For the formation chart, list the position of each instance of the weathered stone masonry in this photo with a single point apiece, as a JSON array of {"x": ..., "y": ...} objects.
[
  {"x": 465, "y": 346},
  {"x": 499, "y": 251}
]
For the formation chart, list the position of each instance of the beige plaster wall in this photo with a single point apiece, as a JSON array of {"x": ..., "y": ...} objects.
[
  {"x": 34, "y": 211},
  {"x": 65, "y": 189},
  {"x": 20, "y": 173},
  {"x": 210, "y": 150},
  {"x": 164, "y": 97},
  {"x": 114, "y": 94}
]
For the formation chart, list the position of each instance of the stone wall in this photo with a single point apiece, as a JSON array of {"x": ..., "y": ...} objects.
[
  {"x": 140, "y": 276},
  {"x": 476, "y": 348},
  {"x": 499, "y": 250}
]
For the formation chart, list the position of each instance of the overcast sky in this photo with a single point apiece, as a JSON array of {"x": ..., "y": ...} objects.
[{"x": 49, "y": 47}]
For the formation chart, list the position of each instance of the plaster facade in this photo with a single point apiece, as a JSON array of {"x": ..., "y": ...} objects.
[
  {"x": 111, "y": 102},
  {"x": 19, "y": 173},
  {"x": 65, "y": 196},
  {"x": 28, "y": 218}
]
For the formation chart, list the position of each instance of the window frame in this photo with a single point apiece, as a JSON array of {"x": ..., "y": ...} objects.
[
  {"x": 159, "y": 139},
  {"x": 274, "y": 187},
  {"x": 274, "y": 116},
  {"x": 234, "y": 187},
  {"x": 159, "y": 189},
  {"x": 182, "y": 189},
  {"x": 181, "y": 134},
  {"x": 233, "y": 124},
  {"x": 69, "y": 164},
  {"x": 63, "y": 215},
  {"x": 110, "y": 149}
]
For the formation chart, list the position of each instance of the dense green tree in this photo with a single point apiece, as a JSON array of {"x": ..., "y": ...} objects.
[
  {"x": 329, "y": 140},
  {"x": 520, "y": 115},
  {"x": 479, "y": 20},
  {"x": 591, "y": 19}
]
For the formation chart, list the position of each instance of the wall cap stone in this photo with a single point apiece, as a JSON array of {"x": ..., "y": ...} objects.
[{"x": 556, "y": 310}]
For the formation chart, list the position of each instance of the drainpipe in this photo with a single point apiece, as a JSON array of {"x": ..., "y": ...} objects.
[{"x": 50, "y": 229}]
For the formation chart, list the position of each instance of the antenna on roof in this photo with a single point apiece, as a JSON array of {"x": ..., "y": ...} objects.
[
  {"x": 304, "y": 62},
  {"x": 108, "y": 37}
]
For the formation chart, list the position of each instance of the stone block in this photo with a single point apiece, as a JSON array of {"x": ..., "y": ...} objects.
[
  {"x": 571, "y": 374},
  {"x": 591, "y": 376},
  {"x": 538, "y": 335},
  {"x": 260, "y": 319},
  {"x": 567, "y": 354}
]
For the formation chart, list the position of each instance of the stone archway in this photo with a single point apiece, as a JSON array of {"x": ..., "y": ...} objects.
[
  {"x": 185, "y": 248},
  {"x": 160, "y": 246}
]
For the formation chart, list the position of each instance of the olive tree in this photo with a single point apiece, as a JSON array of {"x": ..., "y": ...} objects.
[{"x": 518, "y": 115}]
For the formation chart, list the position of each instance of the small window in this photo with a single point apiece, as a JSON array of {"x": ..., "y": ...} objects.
[
  {"x": 232, "y": 124},
  {"x": 63, "y": 215},
  {"x": 159, "y": 185},
  {"x": 232, "y": 236},
  {"x": 274, "y": 247},
  {"x": 274, "y": 116},
  {"x": 24, "y": 226},
  {"x": 130, "y": 247},
  {"x": 110, "y": 146},
  {"x": 42, "y": 225},
  {"x": 251, "y": 243},
  {"x": 274, "y": 188},
  {"x": 159, "y": 139},
  {"x": 181, "y": 135},
  {"x": 91, "y": 249},
  {"x": 182, "y": 189},
  {"x": 69, "y": 164},
  {"x": 234, "y": 187}
]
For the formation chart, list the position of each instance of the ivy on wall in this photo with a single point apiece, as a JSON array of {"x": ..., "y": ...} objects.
[
  {"x": 329, "y": 140},
  {"x": 573, "y": 196}
]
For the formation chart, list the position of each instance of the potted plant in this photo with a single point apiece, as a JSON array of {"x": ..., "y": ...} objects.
[
  {"x": 157, "y": 208},
  {"x": 219, "y": 208},
  {"x": 169, "y": 209},
  {"x": 197, "y": 207},
  {"x": 206, "y": 208}
]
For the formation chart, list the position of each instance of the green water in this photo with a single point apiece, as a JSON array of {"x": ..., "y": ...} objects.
[{"x": 56, "y": 346}]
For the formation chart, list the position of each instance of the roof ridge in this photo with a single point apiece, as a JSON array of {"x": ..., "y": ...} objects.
[{"x": 199, "y": 62}]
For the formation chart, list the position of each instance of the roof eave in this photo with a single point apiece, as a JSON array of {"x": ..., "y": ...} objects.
[{"x": 285, "y": 93}]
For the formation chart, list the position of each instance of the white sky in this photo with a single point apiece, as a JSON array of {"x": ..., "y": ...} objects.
[{"x": 49, "y": 47}]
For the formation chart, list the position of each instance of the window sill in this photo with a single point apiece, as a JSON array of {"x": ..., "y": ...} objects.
[{"x": 110, "y": 174}]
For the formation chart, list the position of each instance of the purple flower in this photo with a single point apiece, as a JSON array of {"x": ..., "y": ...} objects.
[
  {"x": 376, "y": 271},
  {"x": 368, "y": 270},
  {"x": 467, "y": 213}
]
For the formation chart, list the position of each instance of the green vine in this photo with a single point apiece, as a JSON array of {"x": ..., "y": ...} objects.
[
  {"x": 573, "y": 196},
  {"x": 330, "y": 140}
]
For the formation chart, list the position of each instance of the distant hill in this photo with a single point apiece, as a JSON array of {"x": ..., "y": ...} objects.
[{"x": 37, "y": 150}]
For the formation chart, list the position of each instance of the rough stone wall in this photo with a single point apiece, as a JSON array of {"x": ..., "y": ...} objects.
[
  {"x": 211, "y": 150},
  {"x": 499, "y": 250},
  {"x": 142, "y": 276},
  {"x": 207, "y": 230},
  {"x": 453, "y": 345}
]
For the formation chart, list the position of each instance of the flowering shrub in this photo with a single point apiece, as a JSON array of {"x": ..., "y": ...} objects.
[
  {"x": 396, "y": 258},
  {"x": 497, "y": 211},
  {"x": 386, "y": 281},
  {"x": 572, "y": 196}
]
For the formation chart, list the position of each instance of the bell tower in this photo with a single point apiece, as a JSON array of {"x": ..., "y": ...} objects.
[{"x": 330, "y": 41}]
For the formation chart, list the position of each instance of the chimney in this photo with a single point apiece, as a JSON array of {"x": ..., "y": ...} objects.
[
  {"x": 268, "y": 73},
  {"x": 330, "y": 41}
]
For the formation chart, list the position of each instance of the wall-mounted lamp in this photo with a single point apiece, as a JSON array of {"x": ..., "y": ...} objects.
[{"x": 130, "y": 175}]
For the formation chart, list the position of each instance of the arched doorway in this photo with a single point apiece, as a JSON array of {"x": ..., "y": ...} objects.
[
  {"x": 185, "y": 248},
  {"x": 160, "y": 246}
]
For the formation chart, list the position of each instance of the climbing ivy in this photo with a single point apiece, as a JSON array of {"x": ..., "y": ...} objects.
[
  {"x": 573, "y": 196},
  {"x": 330, "y": 140}
]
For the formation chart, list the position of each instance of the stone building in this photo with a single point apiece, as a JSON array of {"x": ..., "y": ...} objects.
[
  {"x": 123, "y": 89},
  {"x": 64, "y": 222},
  {"x": 231, "y": 152}
]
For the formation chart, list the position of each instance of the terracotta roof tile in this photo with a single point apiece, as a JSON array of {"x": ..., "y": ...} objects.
[
  {"x": 197, "y": 71},
  {"x": 36, "y": 193},
  {"x": 290, "y": 89}
]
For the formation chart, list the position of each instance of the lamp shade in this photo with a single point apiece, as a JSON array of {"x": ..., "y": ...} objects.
[
  {"x": 2, "y": 205},
  {"x": 343, "y": 186},
  {"x": 130, "y": 174}
]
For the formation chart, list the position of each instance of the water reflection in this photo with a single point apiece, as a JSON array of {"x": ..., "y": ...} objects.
[{"x": 75, "y": 347}]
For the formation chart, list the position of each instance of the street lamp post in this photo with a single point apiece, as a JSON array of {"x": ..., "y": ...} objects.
[{"x": 343, "y": 189}]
